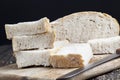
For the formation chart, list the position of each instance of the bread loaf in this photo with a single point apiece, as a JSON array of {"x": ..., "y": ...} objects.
[
  {"x": 27, "y": 28},
  {"x": 83, "y": 26}
]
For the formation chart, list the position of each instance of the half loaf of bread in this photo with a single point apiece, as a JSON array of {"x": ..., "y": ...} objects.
[{"x": 84, "y": 26}]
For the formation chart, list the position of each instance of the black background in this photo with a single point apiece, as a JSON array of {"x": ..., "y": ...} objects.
[{"x": 13, "y": 11}]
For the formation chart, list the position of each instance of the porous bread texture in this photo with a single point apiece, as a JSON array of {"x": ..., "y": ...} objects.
[
  {"x": 39, "y": 41},
  {"x": 32, "y": 58},
  {"x": 72, "y": 55},
  {"x": 27, "y": 28},
  {"x": 83, "y": 26},
  {"x": 60, "y": 44},
  {"x": 37, "y": 57},
  {"x": 105, "y": 45}
]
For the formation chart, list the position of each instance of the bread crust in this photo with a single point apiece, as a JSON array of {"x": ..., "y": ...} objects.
[{"x": 69, "y": 61}]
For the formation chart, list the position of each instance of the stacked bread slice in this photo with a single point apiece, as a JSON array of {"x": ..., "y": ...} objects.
[
  {"x": 31, "y": 38},
  {"x": 27, "y": 28},
  {"x": 27, "y": 35},
  {"x": 45, "y": 41}
]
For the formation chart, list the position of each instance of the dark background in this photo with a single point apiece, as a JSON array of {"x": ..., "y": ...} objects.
[{"x": 13, "y": 11}]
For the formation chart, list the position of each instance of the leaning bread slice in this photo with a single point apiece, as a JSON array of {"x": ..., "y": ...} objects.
[
  {"x": 83, "y": 26},
  {"x": 72, "y": 55},
  {"x": 27, "y": 28},
  {"x": 105, "y": 45},
  {"x": 39, "y": 41},
  {"x": 37, "y": 57}
]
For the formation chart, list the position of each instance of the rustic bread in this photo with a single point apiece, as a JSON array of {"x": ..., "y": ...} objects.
[
  {"x": 27, "y": 28},
  {"x": 72, "y": 55},
  {"x": 37, "y": 57},
  {"x": 105, "y": 45},
  {"x": 83, "y": 26},
  {"x": 39, "y": 41}
]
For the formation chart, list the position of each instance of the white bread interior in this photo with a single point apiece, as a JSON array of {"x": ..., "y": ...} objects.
[
  {"x": 32, "y": 58},
  {"x": 105, "y": 45},
  {"x": 39, "y": 41}
]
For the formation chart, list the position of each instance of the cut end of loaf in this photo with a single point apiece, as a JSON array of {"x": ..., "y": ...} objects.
[
  {"x": 72, "y": 55},
  {"x": 68, "y": 61}
]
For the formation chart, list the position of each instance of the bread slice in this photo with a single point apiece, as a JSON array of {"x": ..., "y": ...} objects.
[
  {"x": 37, "y": 57},
  {"x": 83, "y": 26},
  {"x": 72, "y": 55},
  {"x": 39, "y": 41},
  {"x": 32, "y": 58},
  {"x": 27, "y": 28},
  {"x": 105, "y": 45}
]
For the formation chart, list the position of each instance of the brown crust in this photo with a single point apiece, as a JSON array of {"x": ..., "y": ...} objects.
[
  {"x": 47, "y": 25},
  {"x": 69, "y": 61},
  {"x": 115, "y": 20}
]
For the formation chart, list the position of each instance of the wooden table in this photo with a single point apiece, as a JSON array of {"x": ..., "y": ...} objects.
[{"x": 6, "y": 58}]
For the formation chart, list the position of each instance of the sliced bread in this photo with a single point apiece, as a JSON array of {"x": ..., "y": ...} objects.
[
  {"x": 32, "y": 58},
  {"x": 39, "y": 41},
  {"x": 105, "y": 45},
  {"x": 27, "y": 28},
  {"x": 37, "y": 57},
  {"x": 72, "y": 55},
  {"x": 83, "y": 26}
]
